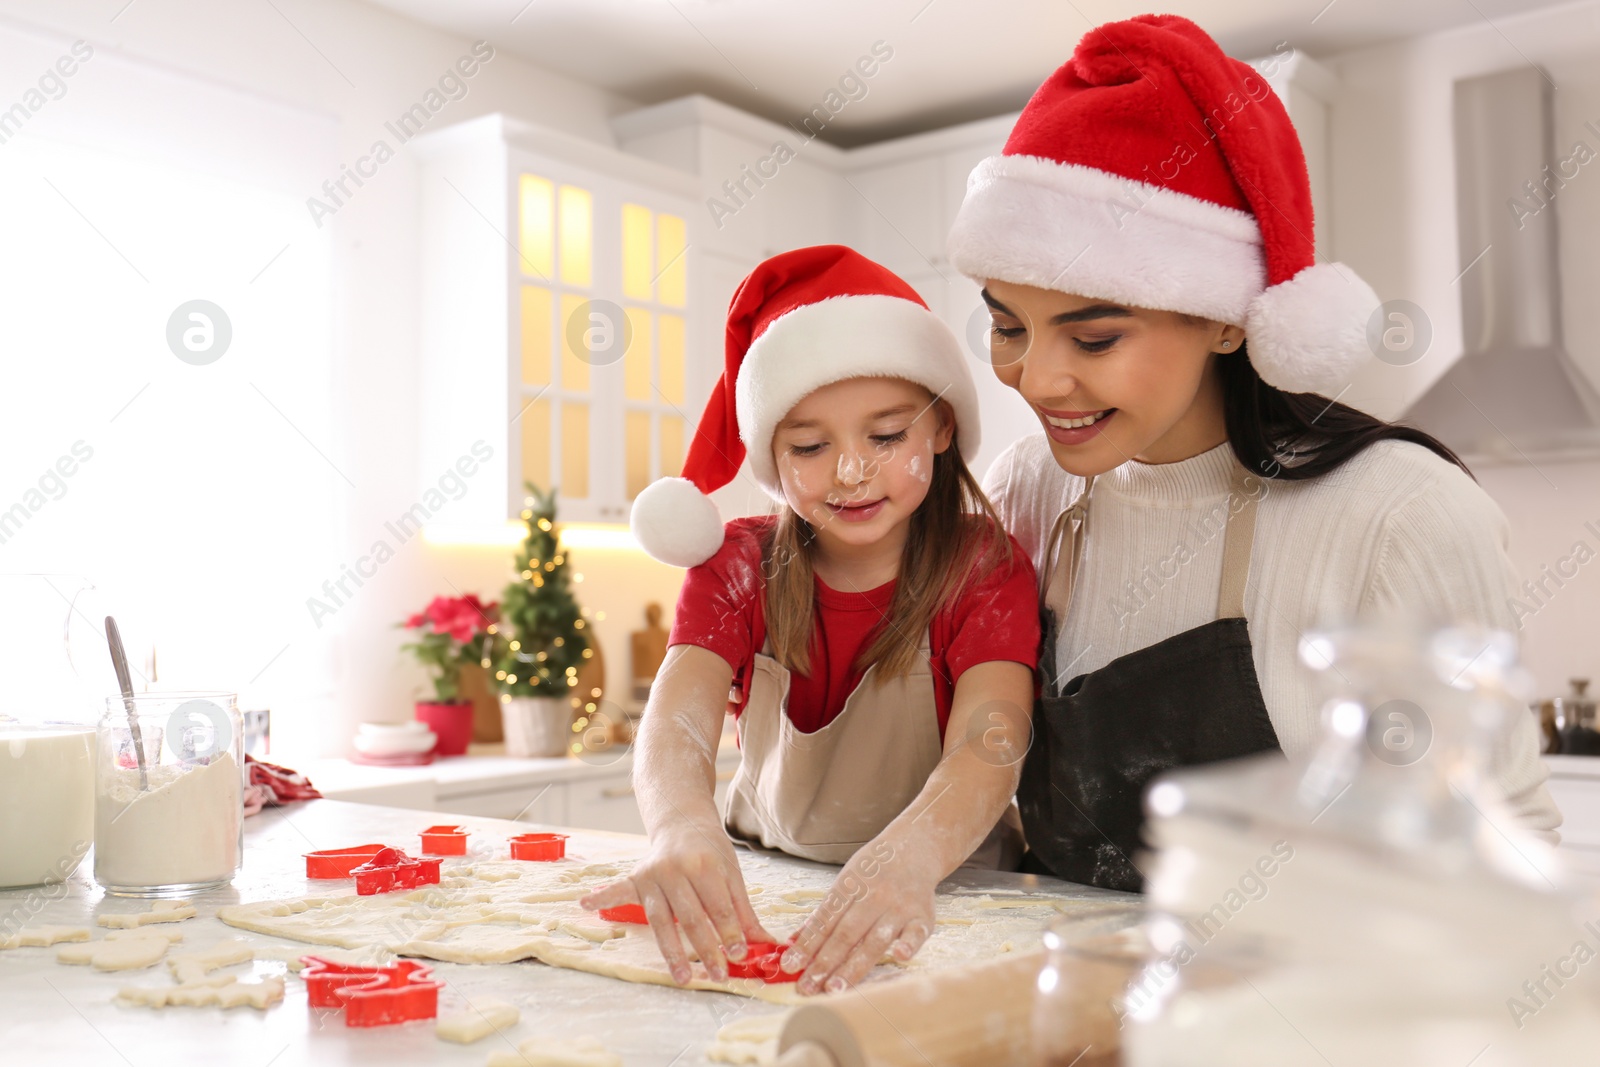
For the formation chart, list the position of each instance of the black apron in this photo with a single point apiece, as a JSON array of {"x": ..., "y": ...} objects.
[{"x": 1192, "y": 698}]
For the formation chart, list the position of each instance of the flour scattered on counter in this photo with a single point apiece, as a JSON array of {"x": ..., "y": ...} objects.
[{"x": 567, "y": 1052}]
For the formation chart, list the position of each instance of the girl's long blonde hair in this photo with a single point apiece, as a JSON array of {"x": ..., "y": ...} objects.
[{"x": 955, "y": 536}]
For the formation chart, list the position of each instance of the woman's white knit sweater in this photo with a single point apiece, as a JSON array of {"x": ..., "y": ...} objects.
[{"x": 1394, "y": 531}]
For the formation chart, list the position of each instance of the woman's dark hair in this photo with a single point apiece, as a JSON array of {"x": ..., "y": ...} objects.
[{"x": 1295, "y": 436}]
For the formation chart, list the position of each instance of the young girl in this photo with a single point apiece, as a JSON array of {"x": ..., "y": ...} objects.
[
  {"x": 1145, "y": 248},
  {"x": 878, "y": 635}
]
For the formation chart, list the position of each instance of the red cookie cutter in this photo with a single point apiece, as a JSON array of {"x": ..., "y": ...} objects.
[
  {"x": 392, "y": 869},
  {"x": 372, "y": 996},
  {"x": 761, "y": 961},
  {"x": 339, "y": 862},
  {"x": 539, "y": 847},
  {"x": 625, "y": 913},
  {"x": 444, "y": 841}
]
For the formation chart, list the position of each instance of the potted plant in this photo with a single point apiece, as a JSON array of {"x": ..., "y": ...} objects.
[
  {"x": 543, "y": 641},
  {"x": 451, "y": 632}
]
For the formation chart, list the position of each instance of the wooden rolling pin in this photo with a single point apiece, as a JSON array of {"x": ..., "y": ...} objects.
[{"x": 977, "y": 1016}]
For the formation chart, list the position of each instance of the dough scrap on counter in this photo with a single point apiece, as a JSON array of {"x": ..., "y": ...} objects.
[
  {"x": 568, "y": 1052},
  {"x": 799, "y": 896},
  {"x": 116, "y": 953},
  {"x": 161, "y": 911},
  {"x": 748, "y": 1041},
  {"x": 46, "y": 936},
  {"x": 478, "y": 1021},
  {"x": 191, "y": 967},
  {"x": 224, "y": 991}
]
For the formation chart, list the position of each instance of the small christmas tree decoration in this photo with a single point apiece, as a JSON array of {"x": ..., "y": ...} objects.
[{"x": 542, "y": 640}]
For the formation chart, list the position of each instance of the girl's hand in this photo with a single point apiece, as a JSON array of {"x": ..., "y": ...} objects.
[
  {"x": 690, "y": 881},
  {"x": 881, "y": 901}
]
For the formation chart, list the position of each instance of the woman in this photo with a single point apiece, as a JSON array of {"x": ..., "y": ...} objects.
[{"x": 1193, "y": 505}]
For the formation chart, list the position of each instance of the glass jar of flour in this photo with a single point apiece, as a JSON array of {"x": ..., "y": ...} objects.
[{"x": 172, "y": 822}]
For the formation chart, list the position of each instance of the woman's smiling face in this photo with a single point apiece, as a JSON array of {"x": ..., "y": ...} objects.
[{"x": 1108, "y": 382}]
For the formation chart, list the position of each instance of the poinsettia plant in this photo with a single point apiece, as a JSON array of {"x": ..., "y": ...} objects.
[{"x": 452, "y": 632}]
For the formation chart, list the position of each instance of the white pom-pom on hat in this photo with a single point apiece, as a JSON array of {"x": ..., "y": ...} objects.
[
  {"x": 676, "y": 523},
  {"x": 1309, "y": 334}
]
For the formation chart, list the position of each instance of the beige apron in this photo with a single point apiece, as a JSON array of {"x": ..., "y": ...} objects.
[{"x": 823, "y": 795}]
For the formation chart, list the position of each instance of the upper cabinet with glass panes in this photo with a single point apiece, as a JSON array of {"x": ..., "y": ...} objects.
[{"x": 572, "y": 359}]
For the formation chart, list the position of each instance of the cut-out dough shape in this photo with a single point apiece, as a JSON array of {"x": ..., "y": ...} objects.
[
  {"x": 592, "y": 931},
  {"x": 116, "y": 954},
  {"x": 552, "y": 896},
  {"x": 477, "y": 1022},
  {"x": 162, "y": 911},
  {"x": 593, "y": 871},
  {"x": 231, "y": 993},
  {"x": 192, "y": 967},
  {"x": 45, "y": 936},
  {"x": 570, "y": 1052},
  {"x": 748, "y": 1041},
  {"x": 796, "y": 896}
]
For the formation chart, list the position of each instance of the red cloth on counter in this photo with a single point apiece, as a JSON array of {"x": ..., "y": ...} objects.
[
  {"x": 272, "y": 784},
  {"x": 722, "y": 608}
]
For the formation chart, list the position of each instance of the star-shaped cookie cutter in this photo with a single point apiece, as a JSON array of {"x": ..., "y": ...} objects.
[{"x": 392, "y": 869}]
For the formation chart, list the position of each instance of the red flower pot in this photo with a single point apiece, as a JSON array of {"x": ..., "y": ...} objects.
[{"x": 453, "y": 724}]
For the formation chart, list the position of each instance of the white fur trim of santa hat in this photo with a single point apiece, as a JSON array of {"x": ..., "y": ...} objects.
[
  {"x": 1082, "y": 230},
  {"x": 856, "y": 336}
]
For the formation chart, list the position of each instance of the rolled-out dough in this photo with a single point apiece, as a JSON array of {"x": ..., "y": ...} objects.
[{"x": 489, "y": 918}]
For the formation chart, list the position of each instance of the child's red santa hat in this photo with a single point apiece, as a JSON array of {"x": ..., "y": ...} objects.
[
  {"x": 1154, "y": 171},
  {"x": 801, "y": 320}
]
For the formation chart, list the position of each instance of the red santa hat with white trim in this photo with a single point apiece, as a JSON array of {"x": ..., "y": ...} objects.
[
  {"x": 801, "y": 320},
  {"x": 1154, "y": 171}
]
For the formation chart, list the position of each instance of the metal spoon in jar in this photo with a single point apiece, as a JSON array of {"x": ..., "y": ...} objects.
[{"x": 119, "y": 661}]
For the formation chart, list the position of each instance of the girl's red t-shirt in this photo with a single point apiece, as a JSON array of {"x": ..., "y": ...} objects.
[{"x": 722, "y": 608}]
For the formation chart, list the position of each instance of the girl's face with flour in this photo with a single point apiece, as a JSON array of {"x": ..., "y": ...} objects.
[
  {"x": 1108, "y": 382},
  {"x": 856, "y": 460}
]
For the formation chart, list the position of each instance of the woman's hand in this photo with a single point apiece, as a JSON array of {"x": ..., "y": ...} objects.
[
  {"x": 881, "y": 902},
  {"x": 690, "y": 881}
]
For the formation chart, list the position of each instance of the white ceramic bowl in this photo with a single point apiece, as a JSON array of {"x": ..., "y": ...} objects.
[{"x": 406, "y": 743}]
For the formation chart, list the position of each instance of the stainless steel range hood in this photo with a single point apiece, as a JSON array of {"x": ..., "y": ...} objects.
[{"x": 1515, "y": 394}]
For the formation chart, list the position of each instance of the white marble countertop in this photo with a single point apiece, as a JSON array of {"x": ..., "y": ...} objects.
[{"x": 64, "y": 1016}]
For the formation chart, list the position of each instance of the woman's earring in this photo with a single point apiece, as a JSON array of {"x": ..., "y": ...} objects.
[{"x": 1227, "y": 344}]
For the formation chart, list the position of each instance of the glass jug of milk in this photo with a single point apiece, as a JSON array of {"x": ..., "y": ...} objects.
[{"x": 46, "y": 799}]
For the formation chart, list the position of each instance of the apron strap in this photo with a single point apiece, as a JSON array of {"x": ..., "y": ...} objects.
[
  {"x": 1068, "y": 534},
  {"x": 1236, "y": 545}
]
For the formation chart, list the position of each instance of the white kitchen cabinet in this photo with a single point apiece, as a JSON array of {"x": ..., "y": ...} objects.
[{"x": 558, "y": 325}]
